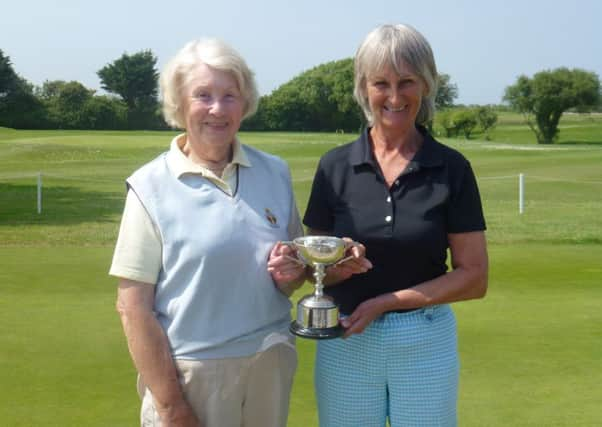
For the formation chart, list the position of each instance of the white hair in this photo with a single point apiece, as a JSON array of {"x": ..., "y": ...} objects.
[{"x": 179, "y": 71}]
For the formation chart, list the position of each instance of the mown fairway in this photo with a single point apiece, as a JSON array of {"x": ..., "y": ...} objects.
[{"x": 531, "y": 351}]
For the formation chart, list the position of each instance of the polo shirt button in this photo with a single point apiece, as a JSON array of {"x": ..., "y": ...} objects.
[
  {"x": 388, "y": 218},
  {"x": 389, "y": 199}
]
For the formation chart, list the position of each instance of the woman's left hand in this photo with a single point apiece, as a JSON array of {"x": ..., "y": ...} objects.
[{"x": 285, "y": 269}]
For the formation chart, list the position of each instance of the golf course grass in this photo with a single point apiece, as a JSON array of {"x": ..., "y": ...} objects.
[{"x": 531, "y": 351}]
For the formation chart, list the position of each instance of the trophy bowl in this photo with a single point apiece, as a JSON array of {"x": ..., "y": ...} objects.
[
  {"x": 320, "y": 249},
  {"x": 317, "y": 314}
]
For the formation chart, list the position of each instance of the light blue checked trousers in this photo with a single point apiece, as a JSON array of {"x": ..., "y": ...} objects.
[{"x": 403, "y": 367}]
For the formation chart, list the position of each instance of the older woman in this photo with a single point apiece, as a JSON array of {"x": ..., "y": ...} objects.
[
  {"x": 206, "y": 322},
  {"x": 409, "y": 199}
]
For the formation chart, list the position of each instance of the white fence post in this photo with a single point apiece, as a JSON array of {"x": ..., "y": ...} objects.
[
  {"x": 39, "y": 192},
  {"x": 521, "y": 193}
]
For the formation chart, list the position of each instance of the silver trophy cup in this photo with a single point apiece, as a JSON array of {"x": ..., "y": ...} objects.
[{"x": 317, "y": 314}]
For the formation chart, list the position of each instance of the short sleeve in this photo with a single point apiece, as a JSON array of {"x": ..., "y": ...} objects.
[
  {"x": 465, "y": 212},
  {"x": 138, "y": 250},
  {"x": 319, "y": 213},
  {"x": 294, "y": 228}
]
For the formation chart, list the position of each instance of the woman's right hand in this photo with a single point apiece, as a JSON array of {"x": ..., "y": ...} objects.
[
  {"x": 287, "y": 272},
  {"x": 178, "y": 415},
  {"x": 355, "y": 262}
]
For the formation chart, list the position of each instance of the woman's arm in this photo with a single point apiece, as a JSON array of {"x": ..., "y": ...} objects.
[
  {"x": 287, "y": 273},
  {"x": 150, "y": 352},
  {"x": 467, "y": 280}
]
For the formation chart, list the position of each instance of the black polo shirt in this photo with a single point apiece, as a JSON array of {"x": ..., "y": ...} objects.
[{"x": 405, "y": 227}]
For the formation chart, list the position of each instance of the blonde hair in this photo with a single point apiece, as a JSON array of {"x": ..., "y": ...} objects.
[
  {"x": 178, "y": 72},
  {"x": 395, "y": 45}
]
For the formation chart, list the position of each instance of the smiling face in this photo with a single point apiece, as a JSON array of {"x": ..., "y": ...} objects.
[
  {"x": 394, "y": 98},
  {"x": 213, "y": 106}
]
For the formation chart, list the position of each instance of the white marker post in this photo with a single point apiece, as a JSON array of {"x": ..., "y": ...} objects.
[
  {"x": 521, "y": 193},
  {"x": 39, "y": 193}
]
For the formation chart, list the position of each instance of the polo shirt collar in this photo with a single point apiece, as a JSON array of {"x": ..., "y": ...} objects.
[
  {"x": 180, "y": 164},
  {"x": 361, "y": 150},
  {"x": 426, "y": 156}
]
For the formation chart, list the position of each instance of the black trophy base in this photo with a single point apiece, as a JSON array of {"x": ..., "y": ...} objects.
[{"x": 316, "y": 333}]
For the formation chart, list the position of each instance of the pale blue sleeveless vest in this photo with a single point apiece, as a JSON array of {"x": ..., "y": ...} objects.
[{"x": 214, "y": 296}]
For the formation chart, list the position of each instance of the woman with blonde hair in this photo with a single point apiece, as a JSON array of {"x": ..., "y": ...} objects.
[{"x": 408, "y": 199}]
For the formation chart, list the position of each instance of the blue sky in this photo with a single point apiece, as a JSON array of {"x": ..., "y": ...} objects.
[{"x": 483, "y": 45}]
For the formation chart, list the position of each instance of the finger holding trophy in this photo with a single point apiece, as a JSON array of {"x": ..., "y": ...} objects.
[
  {"x": 355, "y": 262},
  {"x": 288, "y": 273}
]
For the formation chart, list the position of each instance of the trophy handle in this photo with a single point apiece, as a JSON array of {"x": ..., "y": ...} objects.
[
  {"x": 294, "y": 259},
  {"x": 291, "y": 244},
  {"x": 347, "y": 258}
]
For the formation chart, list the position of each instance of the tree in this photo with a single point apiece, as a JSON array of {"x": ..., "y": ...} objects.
[
  {"x": 543, "y": 98},
  {"x": 338, "y": 76},
  {"x": 447, "y": 92},
  {"x": 50, "y": 89},
  {"x": 70, "y": 105},
  {"x": 71, "y": 102},
  {"x": 65, "y": 103},
  {"x": 444, "y": 119},
  {"x": 258, "y": 120},
  {"x": 103, "y": 112},
  {"x": 464, "y": 121},
  {"x": 48, "y": 94},
  {"x": 486, "y": 118},
  {"x": 19, "y": 108},
  {"x": 455, "y": 121},
  {"x": 320, "y": 99},
  {"x": 8, "y": 78},
  {"x": 285, "y": 110},
  {"x": 134, "y": 79}
]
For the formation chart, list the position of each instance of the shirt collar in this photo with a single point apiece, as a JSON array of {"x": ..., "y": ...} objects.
[
  {"x": 180, "y": 164},
  {"x": 361, "y": 152},
  {"x": 427, "y": 155}
]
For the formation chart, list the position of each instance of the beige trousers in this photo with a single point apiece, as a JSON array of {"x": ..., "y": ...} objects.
[{"x": 249, "y": 391}]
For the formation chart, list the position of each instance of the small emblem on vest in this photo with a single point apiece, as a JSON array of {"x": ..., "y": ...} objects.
[{"x": 271, "y": 217}]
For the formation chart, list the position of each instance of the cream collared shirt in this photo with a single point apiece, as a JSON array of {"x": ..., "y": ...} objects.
[{"x": 138, "y": 250}]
